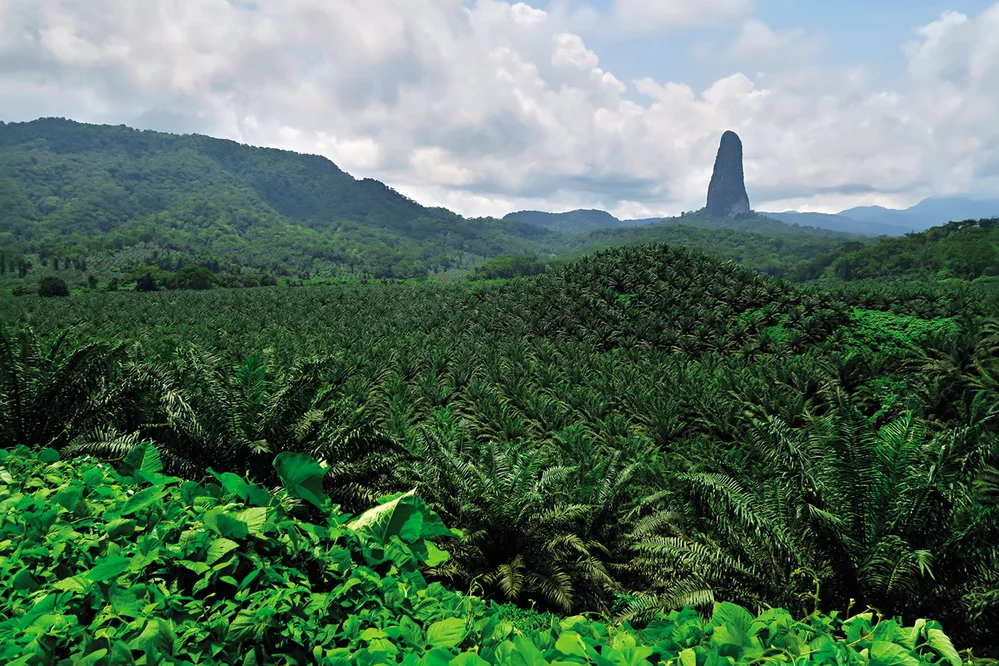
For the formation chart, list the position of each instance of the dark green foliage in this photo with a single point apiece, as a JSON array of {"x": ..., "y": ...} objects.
[
  {"x": 146, "y": 283},
  {"x": 193, "y": 277},
  {"x": 572, "y": 222},
  {"x": 53, "y": 390},
  {"x": 773, "y": 251},
  {"x": 508, "y": 267},
  {"x": 52, "y": 286}
]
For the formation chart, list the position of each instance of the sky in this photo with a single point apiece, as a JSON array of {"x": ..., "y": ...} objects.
[{"x": 490, "y": 106}]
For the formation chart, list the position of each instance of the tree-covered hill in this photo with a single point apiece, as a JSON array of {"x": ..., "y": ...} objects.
[
  {"x": 70, "y": 190},
  {"x": 965, "y": 250},
  {"x": 778, "y": 254},
  {"x": 754, "y": 222}
]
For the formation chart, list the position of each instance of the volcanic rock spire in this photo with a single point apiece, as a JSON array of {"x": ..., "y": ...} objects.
[{"x": 727, "y": 196}]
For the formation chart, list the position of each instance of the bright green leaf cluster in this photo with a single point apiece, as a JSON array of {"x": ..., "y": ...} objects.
[{"x": 99, "y": 566}]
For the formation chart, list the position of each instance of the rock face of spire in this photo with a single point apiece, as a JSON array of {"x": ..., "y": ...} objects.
[{"x": 727, "y": 196}]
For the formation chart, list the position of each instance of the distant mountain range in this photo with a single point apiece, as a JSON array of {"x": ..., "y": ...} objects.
[
  {"x": 91, "y": 202},
  {"x": 876, "y": 220},
  {"x": 584, "y": 221},
  {"x": 863, "y": 220}
]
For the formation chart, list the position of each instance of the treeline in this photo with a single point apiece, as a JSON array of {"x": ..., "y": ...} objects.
[
  {"x": 967, "y": 250},
  {"x": 509, "y": 267}
]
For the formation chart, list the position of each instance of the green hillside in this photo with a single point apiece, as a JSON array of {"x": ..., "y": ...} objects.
[
  {"x": 113, "y": 196},
  {"x": 966, "y": 250},
  {"x": 775, "y": 253}
]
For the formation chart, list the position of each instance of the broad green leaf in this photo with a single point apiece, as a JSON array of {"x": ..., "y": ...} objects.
[
  {"x": 108, "y": 568},
  {"x": 91, "y": 659},
  {"x": 125, "y": 603},
  {"x": 121, "y": 527},
  {"x": 939, "y": 641},
  {"x": 68, "y": 497},
  {"x": 371, "y": 633},
  {"x": 157, "y": 634},
  {"x": 241, "y": 488},
  {"x": 732, "y": 614},
  {"x": 302, "y": 477},
  {"x": 437, "y": 657},
  {"x": 412, "y": 529},
  {"x": 469, "y": 659},
  {"x": 225, "y": 525},
  {"x": 884, "y": 653},
  {"x": 571, "y": 644},
  {"x": 219, "y": 549},
  {"x": 255, "y": 518},
  {"x": 407, "y": 517},
  {"x": 529, "y": 652},
  {"x": 143, "y": 457},
  {"x": 197, "y": 567},
  {"x": 245, "y": 624},
  {"x": 48, "y": 456},
  {"x": 688, "y": 657},
  {"x": 142, "y": 500},
  {"x": 447, "y": 633},
  {"x": 436, "y": 556},
  {"x": 72, "y": 584},
  {"x": 23, "y": 580}
]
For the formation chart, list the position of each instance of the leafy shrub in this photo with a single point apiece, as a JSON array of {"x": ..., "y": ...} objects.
[
  {"x": 508, "y": 267},
  {"x": 51, "y": 286},
  {"x": 193, "y": 277}
]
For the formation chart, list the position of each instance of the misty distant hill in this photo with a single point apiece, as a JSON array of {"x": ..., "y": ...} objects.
[
  {"x": 930, "y": 212},
  {"x": 572, "y": 222},
  {"x": 840, "y": 222},
  {"x": 862, "y": 221},
  {"x": 582, "y": 221}
]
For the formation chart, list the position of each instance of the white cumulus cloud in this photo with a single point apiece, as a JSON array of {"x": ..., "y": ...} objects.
[{"x": 488, "y": 105}]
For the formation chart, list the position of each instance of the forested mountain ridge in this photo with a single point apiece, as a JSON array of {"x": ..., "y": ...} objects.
[
  {"x": 966, "y": 250},
  {"x": 70, "y": 190}
]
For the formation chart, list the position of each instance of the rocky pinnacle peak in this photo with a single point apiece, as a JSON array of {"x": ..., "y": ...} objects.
[{"x": 727, "y": 196}]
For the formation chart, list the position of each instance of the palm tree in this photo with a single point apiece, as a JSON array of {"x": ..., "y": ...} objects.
[
  {"x": 237, "y": 420},
  {"x": 889, "y": 518},
  {"x": 51, "y": 390},
  {"x": 525, "y": 536}
]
